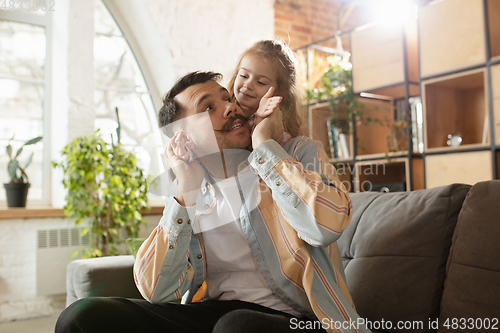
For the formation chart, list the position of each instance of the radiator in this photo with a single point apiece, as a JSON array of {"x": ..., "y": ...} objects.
[{"x": 54, "y": 249}]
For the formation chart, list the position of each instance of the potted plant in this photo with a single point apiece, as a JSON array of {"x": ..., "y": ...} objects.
[
  {"x": 17, "y": 189},
  {"x": 334, "y": 84},
  {"x": 105, "y": 186}
]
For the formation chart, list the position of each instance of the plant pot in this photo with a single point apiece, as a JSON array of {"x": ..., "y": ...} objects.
[{"x": 17, "y": 193}]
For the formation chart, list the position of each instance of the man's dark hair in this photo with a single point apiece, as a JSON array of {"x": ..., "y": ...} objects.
[{"x": 170, "y": 110}]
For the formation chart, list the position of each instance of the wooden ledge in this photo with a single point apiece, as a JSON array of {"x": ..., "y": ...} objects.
[{"x": 43, "y": 212}]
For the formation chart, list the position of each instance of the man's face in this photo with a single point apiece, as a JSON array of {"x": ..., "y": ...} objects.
[{"x": 231, "y": 132}]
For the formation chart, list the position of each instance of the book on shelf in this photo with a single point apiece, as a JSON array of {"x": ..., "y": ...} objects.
[
  {"x": 331, "y": 139},
  {"x": 343, "y": 146},
  {"x": 337, "y": 141}
]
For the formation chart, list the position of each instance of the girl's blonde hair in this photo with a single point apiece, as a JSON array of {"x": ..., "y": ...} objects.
[{"x": 283, "y": 60}]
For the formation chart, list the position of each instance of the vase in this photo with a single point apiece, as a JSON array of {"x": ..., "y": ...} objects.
[{"x": 17, "y": 193}]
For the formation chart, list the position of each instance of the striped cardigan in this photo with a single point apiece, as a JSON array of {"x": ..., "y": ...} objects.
[{"x": 301, "y": 212}]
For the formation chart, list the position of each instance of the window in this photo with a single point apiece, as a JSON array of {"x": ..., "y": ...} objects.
[
  {"x": 22, "y": 95},
  {"x": 25, "y": 80},
  {"x": 119, "y": 84}
]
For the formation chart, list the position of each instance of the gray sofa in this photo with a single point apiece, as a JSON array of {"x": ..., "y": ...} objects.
[{"x": 420, "y": 261}]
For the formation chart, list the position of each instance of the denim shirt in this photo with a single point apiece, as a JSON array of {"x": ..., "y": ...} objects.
[{"x": 301, "y": 211}]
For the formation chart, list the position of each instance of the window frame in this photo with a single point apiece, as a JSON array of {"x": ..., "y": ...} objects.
[{"x": 45, "y": 22}]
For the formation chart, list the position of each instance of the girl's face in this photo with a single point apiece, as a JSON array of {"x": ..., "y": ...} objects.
[{"x": 253, "y": 80}]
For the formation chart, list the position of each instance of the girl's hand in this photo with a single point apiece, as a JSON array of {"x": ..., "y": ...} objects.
[
  {"x": 267, "y": 105},
  {"x": 188, "y": 171}
]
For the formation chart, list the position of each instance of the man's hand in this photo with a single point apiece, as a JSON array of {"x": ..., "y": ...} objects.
[
  {"x": 189, "y": 173},
  {"x": 268, "y": 120}
]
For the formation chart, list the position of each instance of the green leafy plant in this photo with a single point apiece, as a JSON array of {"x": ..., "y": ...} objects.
[
  {"x": 336, "y": 87},
  {"x": 106, "y": 186},
  {"x": 17, "y": 173}
]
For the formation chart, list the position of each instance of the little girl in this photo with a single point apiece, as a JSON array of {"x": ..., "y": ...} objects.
[{"x": 268, "y": 64}]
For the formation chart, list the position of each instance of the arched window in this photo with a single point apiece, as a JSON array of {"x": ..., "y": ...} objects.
[{"x": 119, "y": 84}]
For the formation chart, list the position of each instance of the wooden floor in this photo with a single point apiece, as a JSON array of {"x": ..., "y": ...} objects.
[{"x": 38, "y": 325}]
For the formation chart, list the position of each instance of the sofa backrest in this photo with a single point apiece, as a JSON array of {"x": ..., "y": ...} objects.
[
  {"x": 395, "y": 251},
  {"x": 471, "y": 297}
]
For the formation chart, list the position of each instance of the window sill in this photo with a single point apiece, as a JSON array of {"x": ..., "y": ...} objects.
[{"x": 42, "y": 212}]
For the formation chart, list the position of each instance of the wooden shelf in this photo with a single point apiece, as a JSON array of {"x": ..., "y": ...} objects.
[
  {"x": 456, "y": 104},
  {"x": 417, "y": 165},
  {"x": 376, "y": 173},
  {"x": 319, "y": 113},
  {"x": 372, "y": 138},
  {"x": 397, "y": 91},
  {"x": 497, "y": 156},
  {"x": 452, "y": 36},
  {"x": 458, "y": 149},
  {"x": 392, "y": 154},
  {"x": 369, "y": 174},
  {"x": 345, "y": 171},
  {"x": 378, "y": 57},
  {"x": 465, "y": 167},
  {"x": 340, "y": 160},
  {"x": 495, "y": 89},
  {"x": 494, "y": 27},
  {"x": 50, "y": 212}
]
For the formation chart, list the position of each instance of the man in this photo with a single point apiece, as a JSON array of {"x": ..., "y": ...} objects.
[{"x": 246, "y": 233}]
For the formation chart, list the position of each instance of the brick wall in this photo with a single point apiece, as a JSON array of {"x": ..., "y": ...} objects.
[{"x": 302, "y": 22}]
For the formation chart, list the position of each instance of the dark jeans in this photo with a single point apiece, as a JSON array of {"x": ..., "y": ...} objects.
[{"x": 111, "y": 314}]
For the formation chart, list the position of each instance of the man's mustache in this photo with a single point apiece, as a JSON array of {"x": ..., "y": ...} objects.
[{"x": 229, "y": 124}]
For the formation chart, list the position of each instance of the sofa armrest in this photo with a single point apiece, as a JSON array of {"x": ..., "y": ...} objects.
[{"x": 106, "y": 276}]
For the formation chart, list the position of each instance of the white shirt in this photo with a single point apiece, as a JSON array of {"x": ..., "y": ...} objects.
[{"x": 232, "y": 272}]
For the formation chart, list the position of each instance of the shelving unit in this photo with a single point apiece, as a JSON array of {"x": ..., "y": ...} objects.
[
  {"x": 318, "y": 117},
  {"x": 494, "y": 28},
  {"x": 393, "y": 175},
  {"x": 452, "y": 36},
  {"x": 451, "y": 59},
  {"x": 495, "y": 88},
  {"x": 392, "y": 81},
  {"x": 461, "y": 167},
  {"x": 394, "y": 48},
  {"x": 371, "y": 139},
  {"x": 497, "y": 158},
  {"x": 456, "y": 105},
  {"x": 460, "y": 81}
]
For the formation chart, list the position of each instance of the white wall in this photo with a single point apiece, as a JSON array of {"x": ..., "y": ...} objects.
[
  {"x": 172, "y": 38},
  {"x": 209, "y": 35}
]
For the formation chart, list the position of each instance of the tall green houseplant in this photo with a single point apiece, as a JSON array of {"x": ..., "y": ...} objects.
[{"x": 106, "y": 186}]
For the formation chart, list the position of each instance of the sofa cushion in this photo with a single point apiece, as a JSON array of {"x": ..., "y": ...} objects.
[
  {"x": 395, "y": 251},
  {"x": 473, "y": 270},
  {"x": 105, "y": 276}
]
